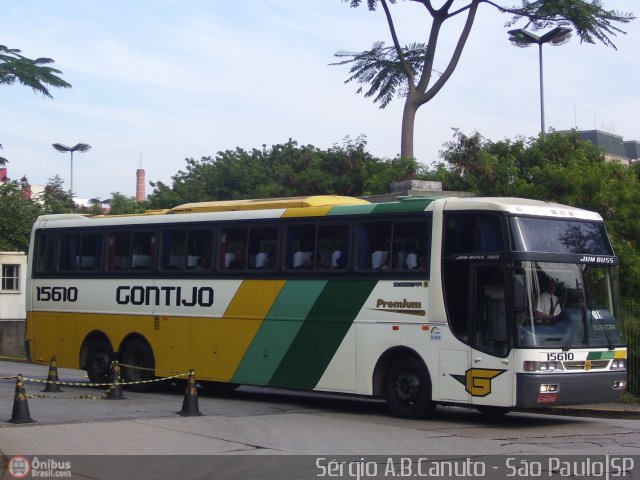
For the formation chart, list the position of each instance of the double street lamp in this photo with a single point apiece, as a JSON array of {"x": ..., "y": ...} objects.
[
  {"x": 521, "y": 38},
  {"x": 80, "y": 147}
]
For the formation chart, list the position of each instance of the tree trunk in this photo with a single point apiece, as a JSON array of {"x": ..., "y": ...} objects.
[{"x": 408, "y": 122}]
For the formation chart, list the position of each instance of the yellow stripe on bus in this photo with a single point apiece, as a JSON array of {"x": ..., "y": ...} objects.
[
  {"x": 306, "y": 212},
  {"x": 218, "y": 344}
]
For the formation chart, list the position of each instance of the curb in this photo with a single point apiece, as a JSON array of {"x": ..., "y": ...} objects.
[
  {"x": 13, "y": 359},
  {"x": 594, "y": 412}
]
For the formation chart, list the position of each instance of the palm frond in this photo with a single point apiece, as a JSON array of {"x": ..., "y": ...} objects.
[
  {"x": 381, "y": 68},
  {"x": 15, "y": 67}
]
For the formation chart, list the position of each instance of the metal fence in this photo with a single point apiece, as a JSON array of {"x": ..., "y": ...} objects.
[{"x": 630, "y": 321}]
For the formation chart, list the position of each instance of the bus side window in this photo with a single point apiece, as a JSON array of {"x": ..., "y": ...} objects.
[
  {"x": 90, "y": 257},
  {"x": 119, "y": 251},
  {"x": 301, "y": 247},
  {"x": 46, "y": 249},
  {"x": 174, "y": 244},
  {"x": 374, "y": 242},
  {"x": 199, "y": 250},
  {"x": 143, "y": 250},
  {"x": 233, "y": 249},
  {"x": 69, "y": 252},
  {"x": 263, "y": 244},
  {"x": 333, "y": 247},
  {"x": 410, "y": 242}
]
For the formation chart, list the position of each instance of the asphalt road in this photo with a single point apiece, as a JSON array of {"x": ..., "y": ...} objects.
[{"x": 254, "y": 427}]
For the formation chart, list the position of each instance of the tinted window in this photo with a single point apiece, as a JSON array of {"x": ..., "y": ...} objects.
[
  {"x": 559, "y": 236},
  {"x": 472, "y": 233}
]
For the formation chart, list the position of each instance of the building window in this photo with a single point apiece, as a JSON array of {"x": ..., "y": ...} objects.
[{"x": 11, "y": 277}]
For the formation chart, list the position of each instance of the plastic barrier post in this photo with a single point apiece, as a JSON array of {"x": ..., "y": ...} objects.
[
  {"x": 190, "y": 402},
  {"x": 115, "y": 390},
  {"x": 20, "y": 412},
  {"x": 52, "y": 377}
]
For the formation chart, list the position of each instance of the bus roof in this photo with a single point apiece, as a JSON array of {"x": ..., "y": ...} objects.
[
  {"x": 520, "y": 206},
  {"x": 267, "y": 203},
  {"x": 318, "y": 206}
]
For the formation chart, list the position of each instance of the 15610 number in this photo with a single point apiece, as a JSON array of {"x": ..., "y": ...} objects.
[
  {"x": 56, "y": 294},
  {"x": 559, "y": 356}
]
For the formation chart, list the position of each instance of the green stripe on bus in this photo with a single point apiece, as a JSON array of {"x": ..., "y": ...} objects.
[
  {"x": 402, "y": 207},
  {"x": 278, "y": 331},
  {"x": 351, "y": 209},
  {"x": 601, "y": 355},
  {"x": 322, "y": 333}
]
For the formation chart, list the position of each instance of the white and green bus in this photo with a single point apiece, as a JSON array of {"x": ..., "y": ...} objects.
[{"x": 422, "y": 301}]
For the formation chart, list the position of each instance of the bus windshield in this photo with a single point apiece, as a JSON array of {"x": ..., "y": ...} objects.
[{"x": 561, "y": 305}]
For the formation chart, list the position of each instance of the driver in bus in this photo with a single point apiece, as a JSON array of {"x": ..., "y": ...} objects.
[{"x": 548, "y": 306}]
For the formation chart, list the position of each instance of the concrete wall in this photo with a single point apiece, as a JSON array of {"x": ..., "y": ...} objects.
[
  {"x": 12, "y": 338},
  {"x": 13, "y": 306}
]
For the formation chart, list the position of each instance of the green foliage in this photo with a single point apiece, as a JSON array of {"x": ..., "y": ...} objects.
[
  {"x": 120, "y": 204},
  {"x": 284, "y": 170},
  {"x": 17, "y": 214},
  {"x": 31, "y": 73},
  {"x": 55, "y": 198},
  {"x": 558, "y": 167},
  {"x": 381, "y": 68}
]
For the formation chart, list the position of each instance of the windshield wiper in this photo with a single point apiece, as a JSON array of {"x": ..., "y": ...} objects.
[
  {"x": 604, "y": 329},
  {"x": 567, "y": 346}
]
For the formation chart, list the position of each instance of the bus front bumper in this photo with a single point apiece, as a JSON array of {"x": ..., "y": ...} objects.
[{"x": 549, "y": 390}]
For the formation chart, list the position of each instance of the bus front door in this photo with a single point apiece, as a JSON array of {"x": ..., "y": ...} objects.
[{"x": 490, "y": 377}]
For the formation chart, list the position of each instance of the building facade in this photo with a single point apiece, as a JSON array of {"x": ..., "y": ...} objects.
[
  {"x": 614, "y": 146},
  {"x": 13, "y": 288}
]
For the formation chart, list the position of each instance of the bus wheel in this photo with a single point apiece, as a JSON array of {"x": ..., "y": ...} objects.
[
  {"x": 137, "y": 353},
  {"x": 492, "y": 412},
  {"x": 408, "y": 390},
  {"x": 99, "y": 362}
]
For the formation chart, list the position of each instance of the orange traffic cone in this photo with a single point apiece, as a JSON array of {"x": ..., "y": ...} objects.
[
  {"x": 190, "y": 402},
  {"x": 52, "y": 377},
  {"x": 20, "y": 412},
  {"x": 115, "y": 390}
]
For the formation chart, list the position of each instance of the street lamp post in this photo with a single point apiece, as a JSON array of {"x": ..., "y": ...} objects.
[
  {"x": 521, "y": 38},
  {"x": 80, "y": 147}
]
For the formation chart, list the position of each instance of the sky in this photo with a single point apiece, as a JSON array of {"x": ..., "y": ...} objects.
[{"x": 159, "y": 81}]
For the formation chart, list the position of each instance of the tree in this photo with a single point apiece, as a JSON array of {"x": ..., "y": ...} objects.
[
  {"x": 283, "y": 170},
  {"x": 17, "y": 214},
  {"x": 3, "y": 161},
  {"x": 384, "y": 69},
  {"x": 55, "y": 198},
  {"x": 120, "y": 204},
  {"x": 30, "y": 73}
]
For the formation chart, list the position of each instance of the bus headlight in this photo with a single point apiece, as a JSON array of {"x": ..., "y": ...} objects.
[
  {"x": 549, "y": 388},
  {"x": 543, "y": 367},
  {"x": 620, "y": 364}
]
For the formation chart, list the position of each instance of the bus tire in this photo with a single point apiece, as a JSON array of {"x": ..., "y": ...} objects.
[
  {"x": 407, "y": 389},
  {"x": 137, "y": 353},
  {"x": 98, "y": 362}
]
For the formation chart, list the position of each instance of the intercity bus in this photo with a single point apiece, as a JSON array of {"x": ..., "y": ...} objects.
[{"x": 422, "y": 301}]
